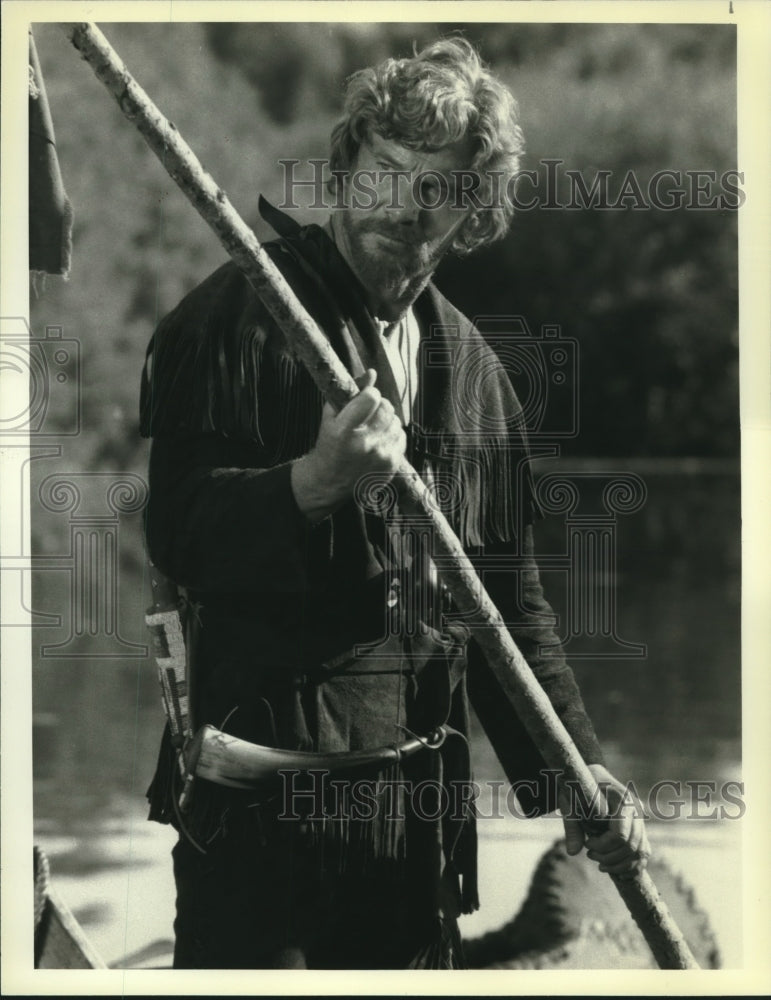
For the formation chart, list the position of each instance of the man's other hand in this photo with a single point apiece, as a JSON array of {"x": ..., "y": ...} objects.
[
  {"x": 365, "y": 436},
  {"x": 623, "y": 848}
]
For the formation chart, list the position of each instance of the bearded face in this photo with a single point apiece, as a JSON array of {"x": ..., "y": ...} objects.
[{"x": 400, "y": 219}]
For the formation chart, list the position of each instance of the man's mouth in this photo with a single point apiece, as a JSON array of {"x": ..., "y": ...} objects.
[{"x": 397, "y": 240}]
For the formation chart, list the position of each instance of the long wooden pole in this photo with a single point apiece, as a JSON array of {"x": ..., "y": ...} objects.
[{"x": 311, "y": 346}]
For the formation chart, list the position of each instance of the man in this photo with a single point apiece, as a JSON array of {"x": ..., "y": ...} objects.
[{"x": 315, "y": 617}]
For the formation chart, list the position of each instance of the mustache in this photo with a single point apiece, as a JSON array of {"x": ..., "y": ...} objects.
[{"x": 394, "y": 233}]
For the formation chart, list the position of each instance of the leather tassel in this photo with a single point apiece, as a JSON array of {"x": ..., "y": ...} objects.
[{"x": 443, "y": 951}]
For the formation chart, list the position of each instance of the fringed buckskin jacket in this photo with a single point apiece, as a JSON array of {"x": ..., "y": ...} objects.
[{"x": 295, "y": 639}]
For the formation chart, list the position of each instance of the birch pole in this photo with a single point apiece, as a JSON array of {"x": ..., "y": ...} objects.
[{"x": 309, "y": 344}]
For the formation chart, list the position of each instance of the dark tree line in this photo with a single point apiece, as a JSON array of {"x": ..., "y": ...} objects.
[{"x": 649, "y": 295}]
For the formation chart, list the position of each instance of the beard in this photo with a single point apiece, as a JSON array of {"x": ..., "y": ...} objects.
[{"x": 393, "y": 266}]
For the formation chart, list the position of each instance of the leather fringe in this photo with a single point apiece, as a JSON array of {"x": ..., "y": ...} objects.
[
  {"x": 346, "y": 837},
  {"x": 477, "y": 484},
  {"x": 349, "y": 841},
  {"x": 443, "y": 951},
  {"x": 218, "y": 364}
]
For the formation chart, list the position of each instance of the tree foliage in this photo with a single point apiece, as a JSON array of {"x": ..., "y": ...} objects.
[{"x": 650, "y": 295}]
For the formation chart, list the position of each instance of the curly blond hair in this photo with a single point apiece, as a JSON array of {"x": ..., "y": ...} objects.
[{"x": 441, "y": 95}]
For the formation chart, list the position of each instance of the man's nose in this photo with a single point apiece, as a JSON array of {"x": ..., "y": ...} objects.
[{"x": 405, "y": 209}]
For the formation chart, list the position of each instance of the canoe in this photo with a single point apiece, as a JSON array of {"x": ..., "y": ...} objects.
[
  {"x": 60, "y": 942},
  {"x": 573, "y": 918}
]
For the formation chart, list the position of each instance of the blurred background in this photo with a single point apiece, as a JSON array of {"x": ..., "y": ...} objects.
[{"x": 648, "y": 297}]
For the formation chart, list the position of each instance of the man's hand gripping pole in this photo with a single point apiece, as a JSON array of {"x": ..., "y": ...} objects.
[{"x": 309, "y": 344}]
